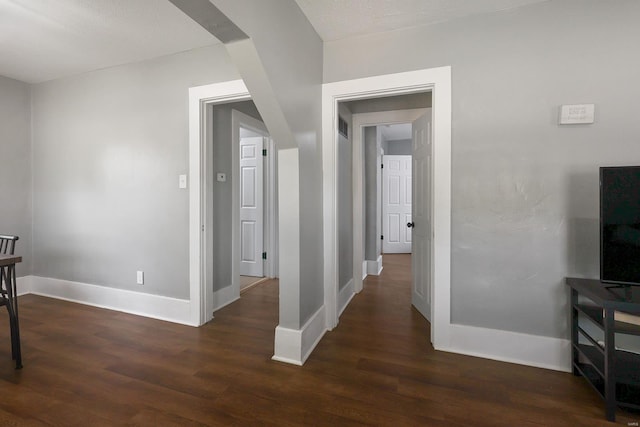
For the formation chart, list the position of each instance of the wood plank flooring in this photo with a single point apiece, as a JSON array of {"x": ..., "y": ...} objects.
[{"x": 86, "y": 366}]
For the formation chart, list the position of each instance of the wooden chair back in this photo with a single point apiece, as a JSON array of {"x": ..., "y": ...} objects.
[{"x": 7, "y": 244}]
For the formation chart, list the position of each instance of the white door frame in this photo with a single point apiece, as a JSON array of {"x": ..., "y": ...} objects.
[
  {"x": 200, "y": 97},
  {"x": 239, "y": 119},
  {"x": 438, "y": 81},
  {"x": 359, "y": 121}
]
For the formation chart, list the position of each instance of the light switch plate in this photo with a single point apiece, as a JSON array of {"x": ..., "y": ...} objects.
[
  {"x": 577, "y": 114},
  {"x": 182, "y": 181}
]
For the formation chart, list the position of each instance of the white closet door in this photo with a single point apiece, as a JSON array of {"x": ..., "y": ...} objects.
[
  {"x": 251, "y": 206},
  {"x": 422, "y": 224},
  {"x": 396, "y": 204}
]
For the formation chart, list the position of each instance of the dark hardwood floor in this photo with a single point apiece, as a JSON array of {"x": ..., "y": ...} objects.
[{"x": 85, "y": 366}]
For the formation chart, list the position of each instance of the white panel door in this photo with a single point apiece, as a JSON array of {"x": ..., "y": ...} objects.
[
  {"x": 422, "y": 219},
  {"x": 396, "y": 204},
  {"x": 251, "y": 206}
]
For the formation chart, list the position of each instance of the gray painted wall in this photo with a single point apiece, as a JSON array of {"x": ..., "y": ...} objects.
[
  {"x": 345, "y": 201},
  {"x": 372, "y": 244},
  {"x": 288, "y": 78},
  {"x": 15, "y": 173},
  {"x": 524, "y": 189},
  {"x": 390, "y": 103},
  {"x": 108, "y": 147},
  {"x": 397, "y": 148},
  {"x": 220, "y": 218}
]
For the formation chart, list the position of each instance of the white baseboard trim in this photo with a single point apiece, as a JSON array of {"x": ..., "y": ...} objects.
[
  {"x": 512, "y": 347},
  {"x": 374, "y": 267},
  {"x": 225, "y": 296},
  {"x": 345, "y": 295},
  {"x": 364, "y": 269},
  {"x": 294, "y": 346},
  {"x": 23, "y": 285},
  {"x": 138, "y": 303}
]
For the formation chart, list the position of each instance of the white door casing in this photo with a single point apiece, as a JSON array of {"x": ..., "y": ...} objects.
[
  {"x": 360, "y": 121},
  {"x": 251, "y": 206},
  {"x": 421, "y": 258},
  {"x": 438, "y": 81},
  {"x": 201, "y": 98},
  {"x": 396, "y": 204}
]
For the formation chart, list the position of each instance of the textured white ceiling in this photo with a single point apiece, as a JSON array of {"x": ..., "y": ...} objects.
[
  {"x": 46, "y": 39},
  {"x": 338, "y": 19}
]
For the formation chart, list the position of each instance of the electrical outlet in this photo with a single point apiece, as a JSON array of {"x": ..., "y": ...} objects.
[{"x": 140, "y": 277}]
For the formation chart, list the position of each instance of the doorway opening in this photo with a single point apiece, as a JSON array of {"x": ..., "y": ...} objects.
[
  {"x": 396, "y": 188},
  {"x": 255, "y": 192},
  {"x": 214, "y": 219},
  {"x": 438, "y": 181},
  {"x": 385, "y": 185},
  {"x": 241, "y": 197}
]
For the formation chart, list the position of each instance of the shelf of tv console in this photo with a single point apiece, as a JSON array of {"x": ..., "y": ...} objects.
[
  {"x": 589, "y": 360},
  {"x": 594, "y": 314},
  {"x": 627, "y": 377},
  {"x": 607, "y": 295}
]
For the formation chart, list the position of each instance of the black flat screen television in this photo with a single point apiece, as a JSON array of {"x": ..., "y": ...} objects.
[{"x": 620, "y": 225}]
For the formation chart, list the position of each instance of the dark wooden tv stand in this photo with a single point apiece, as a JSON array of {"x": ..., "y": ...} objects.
[{"x": 613, "y": 373}]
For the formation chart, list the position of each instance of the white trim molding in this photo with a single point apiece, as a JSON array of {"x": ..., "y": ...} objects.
[
  {"x": 24, "y": 285},
  {"x": 437, "y": 81},
  {"x": 138, "y": 303},
  {"x": 374, "y": 267},
  {"x": 295, "y": 345},
  {"x": 200, "y": 294},
  {"x": 225, "y": 296},
  {"x": 345, "y": 295},
  {"x": 512, "y": 347}
]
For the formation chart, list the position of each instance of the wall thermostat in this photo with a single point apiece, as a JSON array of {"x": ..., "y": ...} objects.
[{"x": 577, "y": 114}]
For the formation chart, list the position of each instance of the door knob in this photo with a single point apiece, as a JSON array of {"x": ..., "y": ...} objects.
[{"x": 410, "y": 224}]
